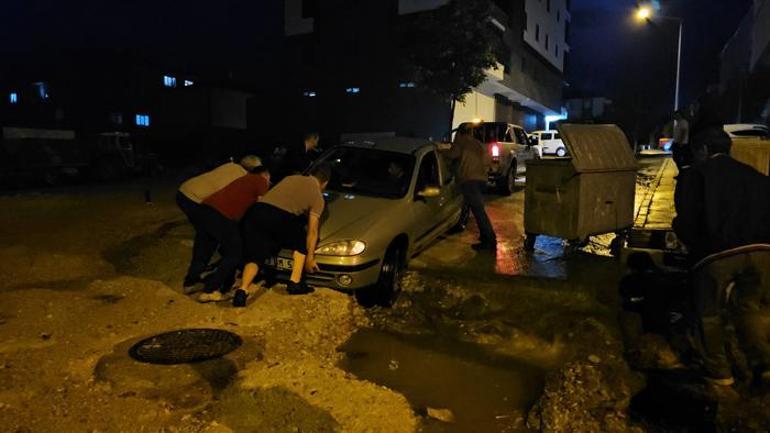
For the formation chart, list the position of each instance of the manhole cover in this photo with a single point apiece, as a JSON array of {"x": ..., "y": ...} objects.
[{"x": 186, "y": 345}]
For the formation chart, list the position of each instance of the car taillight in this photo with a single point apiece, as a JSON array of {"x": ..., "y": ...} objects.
[{"x": 495, "y": 151}]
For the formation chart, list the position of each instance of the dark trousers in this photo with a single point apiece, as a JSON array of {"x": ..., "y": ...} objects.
[
  {"x": 733, "y": 287},
  {"x": 471, "y": 191},
  {"x": 204, "y": 244},
  {"x": 228, "y": 234},
  {"x": 682, "y": 154}
]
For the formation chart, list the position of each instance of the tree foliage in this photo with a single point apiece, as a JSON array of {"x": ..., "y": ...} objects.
[{"x": 449, "y": 48}]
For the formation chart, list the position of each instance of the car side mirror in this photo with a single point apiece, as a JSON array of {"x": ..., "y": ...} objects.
[{"x": 430, "y": 191}]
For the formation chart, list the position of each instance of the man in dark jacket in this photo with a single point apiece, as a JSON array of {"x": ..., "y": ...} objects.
[
  {"x": 723, "y": 215},
  {"x": 472, "y": 171},
  {"x": 720, "y": 203}
]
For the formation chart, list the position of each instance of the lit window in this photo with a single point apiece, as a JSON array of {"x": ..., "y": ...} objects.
[
  {"x": 309, "y": 94},
  {"x": 13, "y": 98},
  {"x": 143, "y": 120},
  {"x": 353, "y": 90},
  {"x": 407, "y": 85},
  {"x": 188, "y": 83},
  {"x": 169, "y": 81}
]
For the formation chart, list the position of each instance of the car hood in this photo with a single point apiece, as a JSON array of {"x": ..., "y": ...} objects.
[{"x": 348, "y": 216}]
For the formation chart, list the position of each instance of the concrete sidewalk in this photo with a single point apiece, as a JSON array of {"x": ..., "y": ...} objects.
[{"x": 655, "y": 209}]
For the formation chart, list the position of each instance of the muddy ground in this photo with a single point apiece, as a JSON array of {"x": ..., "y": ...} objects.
[{"x": 88, "y": 272}]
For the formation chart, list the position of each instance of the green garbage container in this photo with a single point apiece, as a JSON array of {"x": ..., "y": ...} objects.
[{"x": 589, "y": 192}]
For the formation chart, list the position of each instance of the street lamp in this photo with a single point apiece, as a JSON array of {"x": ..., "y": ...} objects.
[{"x": 645, "y": 13}]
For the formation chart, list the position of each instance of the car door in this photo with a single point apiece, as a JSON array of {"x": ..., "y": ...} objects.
[
  {"x": 427, "y": 211},
  {"x": 546, "y": 142},
  {"x": 524, "y": 151}
]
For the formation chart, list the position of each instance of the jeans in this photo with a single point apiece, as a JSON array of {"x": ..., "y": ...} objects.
[
  {"x": 471, "y": 191},
  {"x": 204, "y": 244},
  {"x": 733, "y": 286}
]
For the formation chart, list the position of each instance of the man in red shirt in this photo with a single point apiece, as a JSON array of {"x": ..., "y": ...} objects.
[{"x": 224, "y": 210}]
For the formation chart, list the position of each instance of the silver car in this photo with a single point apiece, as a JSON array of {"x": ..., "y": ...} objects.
[{"x": 387, "y": 200}]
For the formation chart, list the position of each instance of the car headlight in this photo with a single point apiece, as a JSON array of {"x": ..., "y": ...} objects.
[{"x": 341, "y": 248}]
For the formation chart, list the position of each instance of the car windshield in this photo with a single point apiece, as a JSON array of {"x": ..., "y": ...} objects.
[{"x": 369, "y": 171}]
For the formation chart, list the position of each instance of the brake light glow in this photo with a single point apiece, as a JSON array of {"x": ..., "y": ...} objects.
[{"x": 495, "y": 151}]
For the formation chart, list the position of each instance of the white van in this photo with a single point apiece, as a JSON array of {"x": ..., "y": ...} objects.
[{"x": 550, "y": 143}]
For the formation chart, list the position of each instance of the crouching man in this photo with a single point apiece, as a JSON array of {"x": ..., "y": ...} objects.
[
  {"x": 279, "y": 221},
  {"x": 723, "y": 210}
]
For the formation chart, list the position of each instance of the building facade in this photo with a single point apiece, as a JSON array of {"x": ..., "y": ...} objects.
[
  {"x": 745, "y": 69},
  {"x": 175, "y": 114},
  {"x": 342, "y": 72}
]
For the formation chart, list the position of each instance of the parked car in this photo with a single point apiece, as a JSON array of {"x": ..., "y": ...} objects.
[
  {"x": 550, "y": 143},
  {"x": 739, "y": 130},
  {"x": 387, "y": 200},
  {"x": 509, "y": 148}
]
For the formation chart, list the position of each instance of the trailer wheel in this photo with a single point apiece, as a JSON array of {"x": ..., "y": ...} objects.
[
  {"x": 529, "y": 242},
  {"x": 616, "y": 246}
]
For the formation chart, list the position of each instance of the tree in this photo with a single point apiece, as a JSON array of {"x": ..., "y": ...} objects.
[{"x": 449, "y": 48}]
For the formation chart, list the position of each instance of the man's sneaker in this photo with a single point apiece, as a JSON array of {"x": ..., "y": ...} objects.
[
  {"x": 484, "y": 246},
  {"x": 213, "y": 297},
  {"x": 239, "y": 300},
  {"x": 189, "y": 287},
  {"x": 300, "y": 288}
]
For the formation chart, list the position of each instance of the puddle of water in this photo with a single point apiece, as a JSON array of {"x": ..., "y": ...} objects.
[{"x": 486, "y": 393}]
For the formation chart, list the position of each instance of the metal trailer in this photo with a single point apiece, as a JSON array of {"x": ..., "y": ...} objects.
[
  {"x": 588, "y": 193},
  {"x": 753, "y": 151}
]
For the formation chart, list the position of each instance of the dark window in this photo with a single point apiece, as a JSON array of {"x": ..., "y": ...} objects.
[
  {"x": 428, "y": 174},
  {"x": 523, "y": 64},
  {"x": 566, "y": 31},
  {"x": 521, "y": 136},
  {"x": 310, "y": 8},
  {"x": 548, "y": 5},
  {"x": 557, "y": 51},
  {"x": 546, "y": 42},
  {"x": 526, "y": 21},
  {"x": 537, "y": 32},
  {"x": 558, "y": 16}
]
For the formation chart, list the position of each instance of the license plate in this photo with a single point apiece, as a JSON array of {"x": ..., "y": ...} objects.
[{"x": 284, "y": 264}]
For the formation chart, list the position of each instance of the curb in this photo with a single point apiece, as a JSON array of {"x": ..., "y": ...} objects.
[{"x": 644, "y": 208}]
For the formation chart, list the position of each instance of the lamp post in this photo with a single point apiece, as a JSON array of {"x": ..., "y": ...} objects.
[{"x": 645, "y": 13}]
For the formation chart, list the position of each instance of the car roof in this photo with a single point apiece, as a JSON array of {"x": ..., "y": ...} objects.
[{"x": 405, "y": 145}]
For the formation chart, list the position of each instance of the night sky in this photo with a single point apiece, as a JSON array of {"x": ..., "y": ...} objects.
[
  {"x": 614, "y": 56},
  {"x": 611, "y": 55}
]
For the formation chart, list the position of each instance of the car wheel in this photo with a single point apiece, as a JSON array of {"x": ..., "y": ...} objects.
[
  {"x": 560, "y": 152},
  {"x": 385, "y": 292},
  {"x": 506, "y": 184}
]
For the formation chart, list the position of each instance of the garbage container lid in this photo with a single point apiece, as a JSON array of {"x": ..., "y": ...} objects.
[{"x": 597, "y": 147}]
